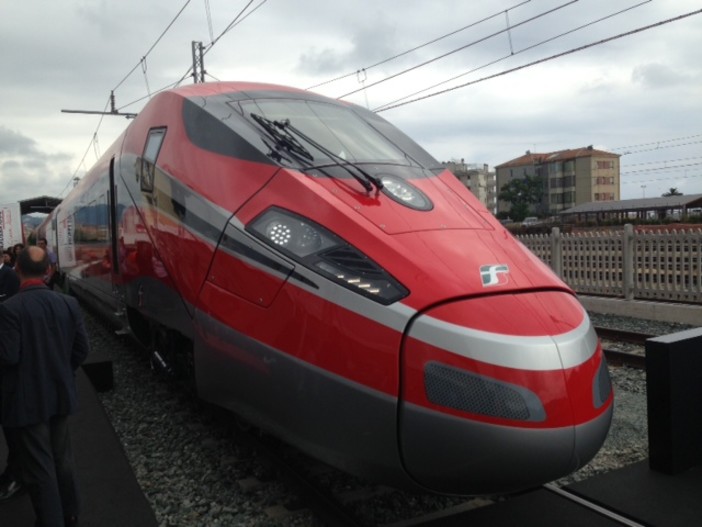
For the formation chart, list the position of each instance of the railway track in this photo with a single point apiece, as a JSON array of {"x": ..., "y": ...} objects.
[
  {"x": 593, "y": 506},
  {"x": 618, "y": 335},
  {"x": 625, "y": 358},
  {"x": 634, "y": 356},
  {"x": 356, "y": 503}
]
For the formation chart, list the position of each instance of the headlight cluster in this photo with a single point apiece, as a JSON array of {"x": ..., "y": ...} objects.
[
  {"x": 405, "y": 193},
  {"x": 318, "y": 249}
]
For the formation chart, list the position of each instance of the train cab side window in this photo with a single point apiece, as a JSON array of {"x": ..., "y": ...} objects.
[{"x": 148, "y": 160}]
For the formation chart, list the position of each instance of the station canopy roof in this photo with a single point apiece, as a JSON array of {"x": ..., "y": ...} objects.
[
  {"x": 42, "y": 204},
  {"x": 642, "y": 204}
]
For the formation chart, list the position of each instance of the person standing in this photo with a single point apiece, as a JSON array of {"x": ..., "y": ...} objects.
[
  {"x": 7, "y": 258},
  {"x": 9, "y": 282},
  {"x": 42, "y": 342},
  {"x": 16, "y": 249},
  {"x": 50, "y": 277},
  {"x": 10, "y": 484}
]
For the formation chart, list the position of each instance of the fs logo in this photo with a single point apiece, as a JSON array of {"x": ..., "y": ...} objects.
[{"x": 495, "y": 274}]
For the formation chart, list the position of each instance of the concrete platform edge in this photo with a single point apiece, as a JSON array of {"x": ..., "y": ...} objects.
[{"x": 663, "y": 311}]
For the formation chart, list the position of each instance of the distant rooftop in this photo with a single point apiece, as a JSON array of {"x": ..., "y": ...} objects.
[{"x": 533, "y": 158}]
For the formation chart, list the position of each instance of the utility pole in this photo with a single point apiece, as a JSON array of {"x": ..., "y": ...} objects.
[{"x": 198, "y": 62}]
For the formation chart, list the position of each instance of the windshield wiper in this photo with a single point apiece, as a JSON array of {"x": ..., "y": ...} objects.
[
  {"x": 283, "y": 139},
  {"x": 282, "y": 133},
  {"x": 364, "y": 178}
]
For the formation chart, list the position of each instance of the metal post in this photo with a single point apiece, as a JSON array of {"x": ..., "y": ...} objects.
[
  {"x": 557, "y": 252},
  {"x": 628, "y": 247}
]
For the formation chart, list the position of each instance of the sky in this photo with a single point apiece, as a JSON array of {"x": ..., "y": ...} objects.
[{"x": 639, "y": 95}]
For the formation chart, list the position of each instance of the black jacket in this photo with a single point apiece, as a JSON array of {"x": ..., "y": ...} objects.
[
  {"x": 9, "y": 282},
  {"x": 42, "y": 342}
]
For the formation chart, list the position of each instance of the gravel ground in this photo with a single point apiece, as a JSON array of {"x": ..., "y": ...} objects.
[{"x": 195, "y": 473}]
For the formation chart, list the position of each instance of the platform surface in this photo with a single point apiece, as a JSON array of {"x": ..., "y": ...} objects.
[
  {"x": 635, "y": 492},
  {"x": 538, "y": 508},
  {"x": 111, "y": 496},
  {"x": 653, "y": 498}
]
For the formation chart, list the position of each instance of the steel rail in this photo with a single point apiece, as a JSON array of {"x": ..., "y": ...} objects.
[
  {"x": 619, "y": 335},
  {"x": 571, "y": 496}
]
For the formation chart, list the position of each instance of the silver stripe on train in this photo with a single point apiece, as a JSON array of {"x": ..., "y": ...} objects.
[{"x": 541, "y": 353}]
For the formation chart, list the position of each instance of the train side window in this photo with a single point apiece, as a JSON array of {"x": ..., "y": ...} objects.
[{"x": 148, "y": 160}]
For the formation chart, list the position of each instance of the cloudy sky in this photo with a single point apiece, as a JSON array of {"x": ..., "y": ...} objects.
[{"x": 639, "y": 95}]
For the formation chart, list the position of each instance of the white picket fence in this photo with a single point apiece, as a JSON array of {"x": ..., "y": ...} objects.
[{"x": 658, "y": 265}]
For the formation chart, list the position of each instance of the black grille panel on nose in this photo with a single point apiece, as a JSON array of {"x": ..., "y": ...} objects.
[
  {"x": 468, "y": 392},
  {"x": 351, "y": 260},
  {"x": 602, "y": 385}
]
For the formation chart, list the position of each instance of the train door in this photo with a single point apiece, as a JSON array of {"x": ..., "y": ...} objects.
[
  {"x": 54, "y": 242},
  {"x": 114, "y": 237}
]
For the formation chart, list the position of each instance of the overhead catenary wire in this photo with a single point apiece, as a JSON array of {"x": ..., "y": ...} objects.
[
  {"x": 163, "y": 33},
  {"x": 90, "y": 144},
  {"x": 110, "y": 101},
  {"x": 656, "y": 169},
  {"x": 662, "y": 161},
  {"x": 655, "y": 180},
  {"x": 142, "y": 63},
  {"x": 657, "y": 143},
  {"x": 512, "y": 54},
  {"x": 236, "y": 21},
  {"x": 239, "y": 19},
  {"x": 659, "y": 147},
  {"x": 146, "y": 77},
  {"x": 549, "y": 58},
  {"x": 461, "y": 48},
  {"x": 208, "y": 14},
  {"x": 416, "y": 48}
]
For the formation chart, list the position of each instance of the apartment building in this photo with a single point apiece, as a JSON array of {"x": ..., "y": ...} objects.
[
  {"x": 478, "y": 179},
  {"x": 570, "y": 177}
]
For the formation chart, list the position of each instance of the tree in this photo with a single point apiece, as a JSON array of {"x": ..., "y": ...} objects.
[
  {"x": 521, "y": 193},
  {"x": 672, "y": 192}
]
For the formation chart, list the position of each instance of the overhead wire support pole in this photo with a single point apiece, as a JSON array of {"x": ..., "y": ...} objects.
[
  {"x": 113, "y": 110},
  {"x": 198, "y": 62}
]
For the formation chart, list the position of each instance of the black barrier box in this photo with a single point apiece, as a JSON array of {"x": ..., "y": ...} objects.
[
  {"x": 98, "y": 368},
  {"x": 674, "y": 398}
]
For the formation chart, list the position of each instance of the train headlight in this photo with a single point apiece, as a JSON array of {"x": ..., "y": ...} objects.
[
  {"x": 405, "y": 193},
  {"x": 291, "y": 234},
  {"x": 325, "y": 253}
]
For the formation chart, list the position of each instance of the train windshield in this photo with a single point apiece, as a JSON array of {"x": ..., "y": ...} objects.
[{"x": 337, "y": 129}]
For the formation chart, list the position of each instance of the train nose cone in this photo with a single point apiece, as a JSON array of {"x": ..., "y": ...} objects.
[{"x": 501, "y": 393}]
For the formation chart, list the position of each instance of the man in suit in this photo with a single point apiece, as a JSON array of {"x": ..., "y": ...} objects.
[
  {"x": 42, "y": 342},
  {"x": 10, "y": 484}
]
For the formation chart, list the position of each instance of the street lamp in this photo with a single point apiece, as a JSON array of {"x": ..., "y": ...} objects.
[{"x": 643, "y": 189}]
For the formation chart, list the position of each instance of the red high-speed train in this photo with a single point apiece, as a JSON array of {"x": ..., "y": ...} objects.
[{"x": 308, "y": 266}]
